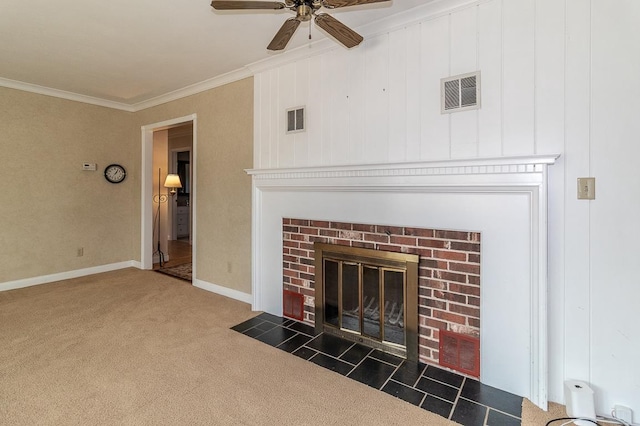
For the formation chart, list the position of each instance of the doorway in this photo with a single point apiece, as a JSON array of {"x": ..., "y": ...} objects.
[{"x": 160, "y": 243}]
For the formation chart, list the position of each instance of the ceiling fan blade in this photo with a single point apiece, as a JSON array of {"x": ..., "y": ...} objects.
[
  {"x": 338, "y": 30},
  {"x": 239, "y": 5},
  {"x": 285, "y": 33},
  {"x": 334, "y": 4}
]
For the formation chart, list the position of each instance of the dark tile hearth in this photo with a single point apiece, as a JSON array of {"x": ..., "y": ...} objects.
[{"x": 455, "y": 397}]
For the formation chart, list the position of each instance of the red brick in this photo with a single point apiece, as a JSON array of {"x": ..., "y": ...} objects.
[
  {"x": 450, "y": 317},
  {"x": 465, "y": 267},
  {"x": 288, "y": 243},
  {"x": 286, "y": 221},
  {"x": 360, "y": 244},
  {"x": 341, "y": 225},
  {"x": 405, "y": 241},
  {"x": 465, "y": 310},
  {"x": 377, "y": 238},
  {"x": 364, "y": 228},
  {"x": 424, "y": 242},
  {"x": 450, "y": 255},
  {"x": 429, "y": 343},
  {"x": 464, "y": 289},
  {"x": 424, "y": 272},
  {"x": 430, "y": 322},
  {"x": 329, "y": 233},
  {"x": 453, "y": 235},
  {"x": 386, "y": 247},
  {"x": 389, "y": 230},
  {"x": 473, "y": 258},
  {"x": 300, "y": 253},
  {"x": 290, "y": 273},
  {"x": 298, "y": 237},
  {"x": 300, "y": 222},
  {"x": 473, "y": 301},
  {"x": 450, "y": 276},
  {"x": 419, "y": 232},
  {"x": 309, "y": 231},
  {"x": 290, "y": 229},
  {"x": 440, "y": 285},
  {"x": 424, "y": 253},
  {"x": 473, "y": 247},
  {"x": 425, "y": 292},
  {"x": 437, "y": 304},
  {"x": 474, "y": 279},
  {"x": 307, "y": 246},
  {"x": 319, "y": 223}
]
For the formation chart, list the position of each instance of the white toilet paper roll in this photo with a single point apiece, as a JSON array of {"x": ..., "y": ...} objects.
[{"x": 579, "y": 400}]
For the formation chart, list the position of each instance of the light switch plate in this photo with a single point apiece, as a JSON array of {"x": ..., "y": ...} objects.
[
  {"x": 89, "y": 166},
  {"x": 587, "y": 188}
]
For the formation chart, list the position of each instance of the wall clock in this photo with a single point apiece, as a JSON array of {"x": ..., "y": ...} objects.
[{"x": 115, "y": 173}]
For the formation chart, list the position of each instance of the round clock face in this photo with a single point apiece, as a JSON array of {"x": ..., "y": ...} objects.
[{"x": 115, "y": 173}]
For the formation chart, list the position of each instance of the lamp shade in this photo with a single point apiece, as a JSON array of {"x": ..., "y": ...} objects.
[{"x": 172, "y": 181}]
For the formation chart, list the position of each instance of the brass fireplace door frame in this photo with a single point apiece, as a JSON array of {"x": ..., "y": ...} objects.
[{"x": 408, "y": 263}]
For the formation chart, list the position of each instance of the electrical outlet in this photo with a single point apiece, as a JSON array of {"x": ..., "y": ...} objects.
[
  {"x": 623, "y": 413},
  {"x": 587, "y": 188},
  {"x": 80, "y": 251}
]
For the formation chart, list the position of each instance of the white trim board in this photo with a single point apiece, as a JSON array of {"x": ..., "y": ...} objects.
[
  {"x": 45, "y": 279},
  {"x": 505, "y": 199},
  {"x": 223, "y": 291}
]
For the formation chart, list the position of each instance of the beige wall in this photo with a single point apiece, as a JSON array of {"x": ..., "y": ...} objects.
[{"x": 52, "y": 207}]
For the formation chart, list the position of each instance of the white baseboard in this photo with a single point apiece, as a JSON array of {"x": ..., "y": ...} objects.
[
  {"x": 224, "y": 291},
  {"x": 44, "y": 279}
]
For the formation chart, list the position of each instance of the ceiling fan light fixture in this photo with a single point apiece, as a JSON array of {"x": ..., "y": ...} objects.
[
  {"x": 304, "y": 13},
  {"x": 305, "y": 10}
]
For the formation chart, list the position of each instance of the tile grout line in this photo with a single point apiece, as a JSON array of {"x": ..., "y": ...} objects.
[{"x": 455, "y": 403}]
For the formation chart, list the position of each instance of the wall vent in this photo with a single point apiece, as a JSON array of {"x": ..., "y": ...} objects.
[
  {"x": 295, "y": 120},
  {"x": 293, "y": 305},
  {"x": 460, "y": 93},
  {"x": 460, "y": 352}
]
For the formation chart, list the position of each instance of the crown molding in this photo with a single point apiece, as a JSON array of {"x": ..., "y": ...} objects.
[
  {"x": 62, "y": 94},
  {"x": 194, "y": 89}
]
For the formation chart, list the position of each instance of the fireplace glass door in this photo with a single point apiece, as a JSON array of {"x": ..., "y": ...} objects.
[{"x": 365, "y": 299}]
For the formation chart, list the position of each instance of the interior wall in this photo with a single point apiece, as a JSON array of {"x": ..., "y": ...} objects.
[
  {"x": 557, "y": 77},
  {"x": 51, "y": 207},
  {"x": 223, "y": 192}
]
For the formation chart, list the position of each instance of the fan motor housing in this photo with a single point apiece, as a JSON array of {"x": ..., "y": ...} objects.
[{"x": 304, "y": 13}]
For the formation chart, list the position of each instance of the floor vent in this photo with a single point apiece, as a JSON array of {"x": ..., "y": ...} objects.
[
  {"x": 460, "y": 352},
  {"x": 293, "y": 305}
]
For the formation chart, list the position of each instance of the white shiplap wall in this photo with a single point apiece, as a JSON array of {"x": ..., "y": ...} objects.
[
  {"x": 558, "y": 77},
  {"x": 380, "y": 102}
]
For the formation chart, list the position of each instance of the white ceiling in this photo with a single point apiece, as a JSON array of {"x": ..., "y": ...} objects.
[{"x": 128, "y": 52}]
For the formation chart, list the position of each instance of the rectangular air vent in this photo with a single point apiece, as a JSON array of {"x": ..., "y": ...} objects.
[
  {"x": 295, "y": 120},
  {"x": 293, "y": 305},
  {"x": 460, "y": 93},
  {"x": 460, "y": 352}
]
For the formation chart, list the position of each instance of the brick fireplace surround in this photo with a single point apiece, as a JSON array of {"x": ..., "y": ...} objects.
[{"x": 449, "y": 271}]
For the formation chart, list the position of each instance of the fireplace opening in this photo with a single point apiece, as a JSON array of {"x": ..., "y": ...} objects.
[{"x": 368, "y": 296}]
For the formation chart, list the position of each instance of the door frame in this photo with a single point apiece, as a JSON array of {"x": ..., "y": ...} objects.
[
  {"x": 173, "y": 168},
  {"x": 146, "y": 201}
]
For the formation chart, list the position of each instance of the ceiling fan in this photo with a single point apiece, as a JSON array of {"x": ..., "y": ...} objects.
[{"x": 304, "y": 10}]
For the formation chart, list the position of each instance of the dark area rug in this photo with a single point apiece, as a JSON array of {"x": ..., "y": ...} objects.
[{"x": 179, "y": 271}]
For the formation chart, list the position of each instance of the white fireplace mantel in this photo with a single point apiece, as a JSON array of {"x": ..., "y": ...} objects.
[{"x": 504, "y": 198}]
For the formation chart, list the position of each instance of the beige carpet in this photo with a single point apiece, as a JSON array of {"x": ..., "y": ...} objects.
[{"x": 132, "y": 348}]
